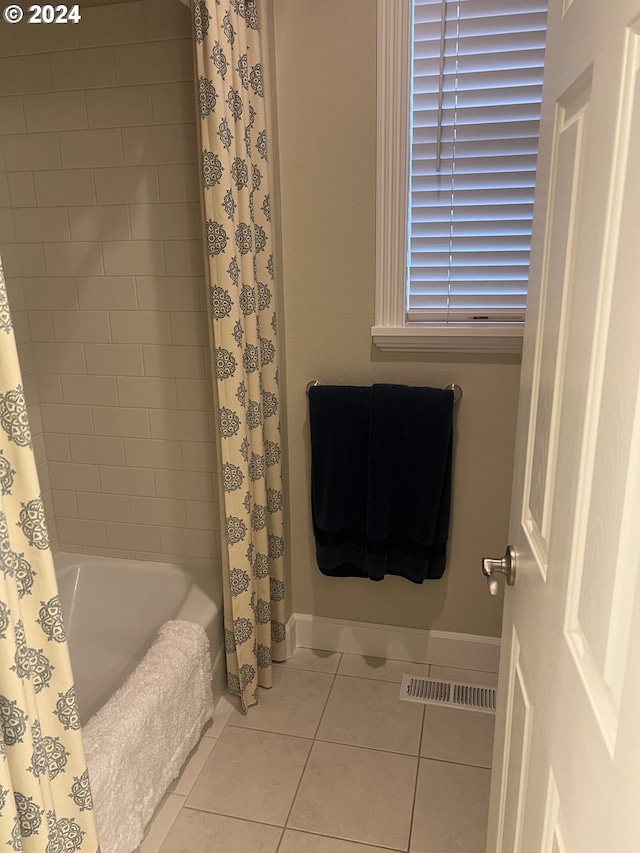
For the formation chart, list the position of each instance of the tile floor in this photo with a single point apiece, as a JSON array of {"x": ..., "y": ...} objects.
[{"x": 331, "y": 761}]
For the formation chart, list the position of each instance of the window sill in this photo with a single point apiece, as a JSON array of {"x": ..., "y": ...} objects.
[{"x": 448, "y": 338}]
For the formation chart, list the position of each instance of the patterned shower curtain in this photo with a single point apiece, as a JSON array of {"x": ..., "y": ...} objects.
[
  {"x": 242, "y": 310},
  {"x": 45, "y": 799}
]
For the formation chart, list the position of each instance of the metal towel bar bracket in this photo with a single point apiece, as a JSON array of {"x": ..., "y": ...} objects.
[{"x": 457, "y": 390}]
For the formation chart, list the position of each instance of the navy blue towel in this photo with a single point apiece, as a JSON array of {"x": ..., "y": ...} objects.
[{"x": 381, "y": 480}]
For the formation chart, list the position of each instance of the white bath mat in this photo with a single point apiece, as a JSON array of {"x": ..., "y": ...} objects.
[{"x": 455, "y": 694}]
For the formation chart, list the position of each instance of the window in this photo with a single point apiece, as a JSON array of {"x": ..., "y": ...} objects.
[{"x": 459, "y": 88}]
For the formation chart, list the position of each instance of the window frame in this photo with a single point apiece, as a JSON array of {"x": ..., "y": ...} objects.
[{"x": 391, "y": 330}]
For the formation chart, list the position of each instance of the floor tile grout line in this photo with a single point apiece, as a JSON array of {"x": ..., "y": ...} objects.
[
  {"x": 233, "y": 816},
  {"x": 348, "y": 840},
  {"x": 313, "y": 740},
  {"x": 415, "y": 784}
]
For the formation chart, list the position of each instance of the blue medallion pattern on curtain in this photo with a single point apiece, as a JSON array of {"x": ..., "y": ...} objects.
[
  {"x": 242, "y": 309},
  {"x": 45, "y": 798}
]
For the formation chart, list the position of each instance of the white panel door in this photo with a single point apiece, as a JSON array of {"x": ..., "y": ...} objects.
[{"x": 567, "y": 754}]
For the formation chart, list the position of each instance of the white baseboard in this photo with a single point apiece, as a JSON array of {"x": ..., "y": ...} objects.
[{"x": 443, "y": 648}]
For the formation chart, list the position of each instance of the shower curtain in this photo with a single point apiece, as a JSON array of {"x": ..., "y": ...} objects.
[
  {"x": 243, "y": 317},
  {"x": 45, "y": 799}
]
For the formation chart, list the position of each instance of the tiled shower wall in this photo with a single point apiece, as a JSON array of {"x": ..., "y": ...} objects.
[
  {"x": 15, "y": 290},
  {"x": 99, "y": 135}
]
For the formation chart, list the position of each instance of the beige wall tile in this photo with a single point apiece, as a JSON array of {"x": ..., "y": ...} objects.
[
  {"x": 179, "y": 182},
  {"x": 178, "y": 293},
  {"x": 15, "y": 286},
  {"x": 40, "y": 326},
  {"x": 25, "y": 152},
  {"x": 104, "y": 507},
  {"x": 91, "y": 148},
  {"x": 43, "y": 38},
  {"x": 188, "y": 57},
  {"x": 133, "y": 536},
  {"x": 199, "y": 456},
  {"x": 184, "y": 257},
  {"x": 153, "y": 453},
  {"x": 55, "y": 111},
  {"x": 68, "y": 187},
  {"x": 12, "y": 114},
  {"x": 178, "y": 361},
  {"x": 114, "y": 24},
  {"x": 194, "y": 543},
  {"x": 158, "y": 511},
  {"x": 132, "y": 423},
  {"x": 194, "y": 144},
  {"x": 107, "y": 292},
  {"x": 190, "y": 327},
  {"x": 127, "y": 481},
  {"x": 64, "y": 503},
  {"x": 59, "y": 358},
  {"x": 162, "y": 221},
  {"x": 57, "y": 447},
  {"x": 5, "y": 195},
  {"x": 195, "y": 394},
  {"x": 173, "y": 102},
  {"x": 81, "y": 531},
  {"x": 7, "y": 228},
  {"x": 194, "y": 485},
  {"x": 100, "y": 222},
  {"x": 51, "y": 293},
  {"x": 139, "y": 257},
  {"x": 8, "y": 42},
  {"x": 140, "y": 327},
  {"x": 96, "y": 449},
  {"x": 59, "y": 417},
  {"x": 120, "y": 107},
  {"x": 164, "y": 21},
  {"x": 73, "y": 477},
  {"x": 160, "y": 143},
  {"x": 127, "y": 185},
  {"x": 179, "y": 559},
  {"x": 151, "y": 392},
  {"x": 203, "y": 515},
  {"x": 38, "y": 225},
  {"x": 88, "y": 68},
  {"x": 11, "y": 263},
  {"x": 43, "y": 478},
  {"x": 49, "y": 388},
  {"x": 34, "y": 413},
  {"x": 20, "y": 75},
  {"x": 22, "y": 189},
  {"x": 81, "y": 326},
  {"x": 31, "y": 259},
  {"x": 148, "y": 63},
  {"x": 97, "y": 390},
  {"x": 187, "y": 426},
  {"x": 118, "y": 553},
  {"x": 26, "y": 357},
  {"x": 114, "y": 359},
  {"x": 66, "y": 259},
  {"x": 31, "y": 393}
]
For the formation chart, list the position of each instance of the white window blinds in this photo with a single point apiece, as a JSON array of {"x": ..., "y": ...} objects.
[{"x": 476, "y": 89}]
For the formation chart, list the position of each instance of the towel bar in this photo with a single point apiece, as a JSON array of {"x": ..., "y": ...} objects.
[{"x": 457, "y": 390}]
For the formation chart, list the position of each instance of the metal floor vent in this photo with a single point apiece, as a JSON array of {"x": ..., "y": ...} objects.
[{"x": 455, "y": 694}]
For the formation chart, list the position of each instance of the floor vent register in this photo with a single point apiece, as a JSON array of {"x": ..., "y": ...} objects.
[{"x": 455, "y": 694}]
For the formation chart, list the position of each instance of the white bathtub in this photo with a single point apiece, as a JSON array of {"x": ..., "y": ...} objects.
[{"x": 113, "y": 609}]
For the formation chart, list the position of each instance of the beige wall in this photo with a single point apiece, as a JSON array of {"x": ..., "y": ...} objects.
[
  {"x": 325, "y": 70},
  {"x": 99, "y": 138}
]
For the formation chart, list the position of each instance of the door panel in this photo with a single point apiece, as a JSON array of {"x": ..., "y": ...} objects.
[{"x": 567, "y": 749}]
